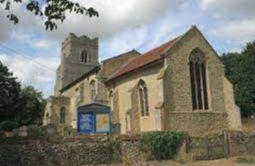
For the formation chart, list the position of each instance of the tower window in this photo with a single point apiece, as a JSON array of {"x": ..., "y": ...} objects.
[
  {"x": 84, "y": 56},
  {"x": 143, "y": 95},
  {"x": 198, "y": 80}
]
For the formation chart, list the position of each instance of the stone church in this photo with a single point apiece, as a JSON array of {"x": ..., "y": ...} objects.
[{"x": 179, "y": 85}]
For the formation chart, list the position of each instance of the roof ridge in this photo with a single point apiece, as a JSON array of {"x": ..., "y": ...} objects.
[
  {"x": 133, "y": 50},
  {"x": 161, "y": 45},
  {"x": 144, "y": 59},
  {"x": 124, "y": 65}
]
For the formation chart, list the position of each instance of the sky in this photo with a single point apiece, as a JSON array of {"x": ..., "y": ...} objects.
[{"x": 33, "y": 54}]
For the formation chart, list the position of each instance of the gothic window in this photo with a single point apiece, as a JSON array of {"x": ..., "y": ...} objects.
[
  {"x": 84, "y": 56},
  {"x": 62, "y": 115},
  {"x": 77, "y": 96},
  {"x": 93, "y": 89},
  {"x": 143, "y": 95},
  {"x": 81, "y": 93},
  {"x": 198, "y": 80}
]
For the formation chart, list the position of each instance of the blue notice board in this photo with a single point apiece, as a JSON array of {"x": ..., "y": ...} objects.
[
  {"x": 94, "y": 118},
  {"x": 86, "y": 122}
]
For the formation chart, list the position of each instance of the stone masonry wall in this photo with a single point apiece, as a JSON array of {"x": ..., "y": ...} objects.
[
  {"x": 241, "y": 143},
  {"x": 31, "y": 152},
  {"x": 234, "y": 117},
  {"x": 177, "y": 81},
  {"x": 199, "y": 124},
  {"x": 177, "y": 89},
  {"x": 71, "y": 65},
  {"x": 52, "y": 110},
  {"x": 97, "y": 149}
]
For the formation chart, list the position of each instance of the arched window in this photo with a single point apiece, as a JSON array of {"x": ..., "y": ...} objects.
[
  {"x": 143, "y": 95},
  {"x": 77, "y": 96},
  {"x": 198, "y": 81},
  {"x": 81, "y": 93},
  {"x": 93, "y": 90},
  {"x": 62, "y": 115},
  {"x": 84, "y": 56}
]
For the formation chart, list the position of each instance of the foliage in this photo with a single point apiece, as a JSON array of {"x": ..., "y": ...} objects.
[
  {"x": 51, "y": 10},
  {"x": 114, "y": 146},
  {"x": 36, "y": 131},
  {"x": 162, "y": 145},
  {"x": 32, "y": 106},
  {"x": 239, "y": 68},
  {"x": 8, "y": 125},
  {"x": 22, "y": 105},
  {"x": 10, "y": 91}
]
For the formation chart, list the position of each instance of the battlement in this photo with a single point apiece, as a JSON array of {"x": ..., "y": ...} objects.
[{"x": 72, "y": 38}]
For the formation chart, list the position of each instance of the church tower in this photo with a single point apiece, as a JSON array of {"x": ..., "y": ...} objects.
[{"x": 79, "y": 55}]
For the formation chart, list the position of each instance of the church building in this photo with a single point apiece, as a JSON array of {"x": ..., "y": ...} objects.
[{"x": 179, "y": 85}]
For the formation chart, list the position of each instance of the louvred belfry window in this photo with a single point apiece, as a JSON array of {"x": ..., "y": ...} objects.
[
  {"x": 198, "y": 81},
  {"x": 84, "y": 56}
]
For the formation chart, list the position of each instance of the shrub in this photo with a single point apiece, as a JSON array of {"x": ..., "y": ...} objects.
[
  {"x": 35, "y": 131},
  {"x": 8, "y": 125},
  {"x": 161, "y": 145}
]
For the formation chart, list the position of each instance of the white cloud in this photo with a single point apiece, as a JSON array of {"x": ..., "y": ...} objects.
[
  {"x": 240, "y": 31},
  {"x": 46, "y": 44},
  {"x": 21, "y": 36},
  {"x": 32, "y": 41},
  {"x": 29, "y": 72},
  {"x": 141, "y": 38},
  {"x": 27, "y": 21},
  {"x": 122, "y": 26},
  {"x": 206, "y": 3},
  {"x": 115, "y": 16},
  {"x": 230, "y": 8}
]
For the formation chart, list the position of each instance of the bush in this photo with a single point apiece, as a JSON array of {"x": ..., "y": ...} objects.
[
  {"x": 162, "y": 145},
  {"x": 8, "y": 125},
  {"x": 35, "y": 131}
]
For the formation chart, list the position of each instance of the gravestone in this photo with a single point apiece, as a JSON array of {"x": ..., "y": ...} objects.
[
  {"x": 23, "y": 131},
  {"x": 51, "y": 129}
]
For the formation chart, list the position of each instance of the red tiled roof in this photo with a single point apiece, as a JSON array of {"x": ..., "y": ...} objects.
[{"x": 144, "y": 59}]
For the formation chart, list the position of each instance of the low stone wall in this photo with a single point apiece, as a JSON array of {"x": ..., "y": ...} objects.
[
  {"x": 199, "y": 124},
  {"x": 241, "y": 143},
  {"x": 102, "y": 149},
  {"x": 65, "y": 152}
]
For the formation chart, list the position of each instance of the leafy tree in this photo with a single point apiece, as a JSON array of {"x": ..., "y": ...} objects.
[
  {"x": 19, "y": 105},
  {"x": 240, "y": 69},
  {"x": 8, "y": 125},
  {"x": 9, "y": 94},
  {"x": 32, "y": 106},
  {"x": 51, "y": 10}
]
